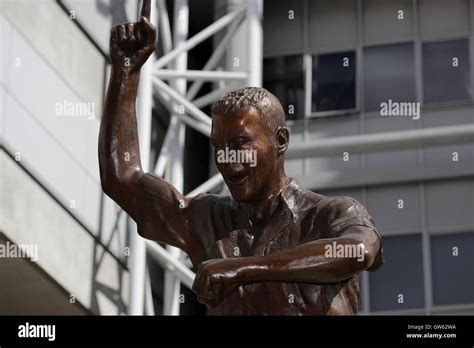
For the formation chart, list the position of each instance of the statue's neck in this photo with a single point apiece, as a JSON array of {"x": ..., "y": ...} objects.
[{"x": 260, "y": 211}]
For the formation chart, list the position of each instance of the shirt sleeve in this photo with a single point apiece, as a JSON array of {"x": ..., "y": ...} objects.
[
  {"x": 166, "y": 216},
  {"x": 162, "y": 213},
  {"x": 339, "y": 213}
]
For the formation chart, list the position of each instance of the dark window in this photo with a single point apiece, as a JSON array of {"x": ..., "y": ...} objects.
[
  {"x": 334, "y": 81},
  {"x": 446, "y": 71},
  {"x": 453, "y": 274},
  {"x": 389, "y": 73},
  {"x": 402, "y": 274},
  {"x": 283, "y": 76}
]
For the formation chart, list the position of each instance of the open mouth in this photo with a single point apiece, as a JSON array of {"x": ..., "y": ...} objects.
[{"x": 236, "y": 178}]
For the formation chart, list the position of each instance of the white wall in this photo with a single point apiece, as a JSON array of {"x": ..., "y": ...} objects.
[{"x": 46, "y": 60}]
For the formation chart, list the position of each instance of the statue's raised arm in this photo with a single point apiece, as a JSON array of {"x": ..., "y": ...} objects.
[{"x": 140, "y": 194}]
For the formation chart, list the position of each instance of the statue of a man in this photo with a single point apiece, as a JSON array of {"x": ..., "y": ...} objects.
[{"x": 273, "y": 247}]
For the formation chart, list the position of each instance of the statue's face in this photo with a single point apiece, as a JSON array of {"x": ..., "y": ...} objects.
[{"x": 244, "y": 154}]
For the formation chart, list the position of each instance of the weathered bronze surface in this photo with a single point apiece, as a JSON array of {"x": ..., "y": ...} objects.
[{"x": 273, "y": 247}]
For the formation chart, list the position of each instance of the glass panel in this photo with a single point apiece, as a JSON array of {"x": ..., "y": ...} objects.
[
  {"x": 389, "y": 73},
  {"x": 399, "y": 283},
  {"x": 283, "y": 76},
  {"x": 453, "y": 274},
  {"x": 446, "y": 71},
  {"x": 334, "y": 81}
]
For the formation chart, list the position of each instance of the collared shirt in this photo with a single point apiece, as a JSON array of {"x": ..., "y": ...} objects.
[{"x": 219, "y": 227}]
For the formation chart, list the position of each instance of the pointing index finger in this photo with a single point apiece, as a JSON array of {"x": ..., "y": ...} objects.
[{"x": 146, "y": 9}]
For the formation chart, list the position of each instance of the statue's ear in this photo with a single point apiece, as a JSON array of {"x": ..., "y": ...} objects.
[{"x": 282, "y": 139}]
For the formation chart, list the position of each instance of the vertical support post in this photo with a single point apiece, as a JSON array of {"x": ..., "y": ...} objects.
[
  {"x": 180, "y": 33},
  {"x": 137, "y": 243},
  {"x": 255, "y": 40}
]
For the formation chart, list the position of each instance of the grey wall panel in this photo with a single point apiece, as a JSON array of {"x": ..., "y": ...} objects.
[
  {"x": 5, "y": 42},
  {"x": 282, "y": 34},
  {"x": 3, "y": 100},
  {"x": 390, "y": 158},
  {"x": 332, "y": 24},
  {"x": 450, "y": 203},
  {"x": 26, "y": 86},
  {"x": 70, "y": 255},
  {"x": 443, "y": 155},
  {"x": 382, "y": 20},
  {"x": 60, "y": 150},
  {"x": 294, "y": 168},
  {"x": 333, "y": 127},
  {"x": 439, "y": 18},
  {"x": 354, "y": 193},
  {"x": 390, "y": 213},
  {"x": 449, "y": 155},
  {"x": 50, "y": 162}
]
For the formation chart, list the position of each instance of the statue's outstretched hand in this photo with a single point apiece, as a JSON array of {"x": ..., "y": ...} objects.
[{"x": 132, "y": 43}]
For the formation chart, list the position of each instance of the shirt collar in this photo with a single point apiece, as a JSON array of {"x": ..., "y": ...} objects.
[{"x": 290, "y": 196}]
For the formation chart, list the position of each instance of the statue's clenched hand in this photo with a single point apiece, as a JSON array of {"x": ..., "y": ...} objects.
[
  {"x": 215, "y": 278},
  {"x": 132, "y": 43}
]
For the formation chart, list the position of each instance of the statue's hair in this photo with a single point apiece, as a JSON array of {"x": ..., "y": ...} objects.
[{"x": 268, "y": 106}]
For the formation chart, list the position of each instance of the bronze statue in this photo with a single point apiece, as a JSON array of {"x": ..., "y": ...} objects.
[{"x": 273, "y": 248}]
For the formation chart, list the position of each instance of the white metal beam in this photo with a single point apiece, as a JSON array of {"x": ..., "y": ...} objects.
[
  {"x": 172, "y": 284},
  {"x": 208, "y": 185},
  {"x": 179, "y": 99},
  {"x": 214, "y": 96},
  {"x": 255, "y": 41},
  {"x": 137, "y": 243},
  {"x": 170, "y": 263},
  {"x": 216, "y": 56},
  {"x": 201, "y": 127},
  {"x": 166, "y": 74},
  {"x": 197, "y": 39},
  {"x": 165, "y": 28}
]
